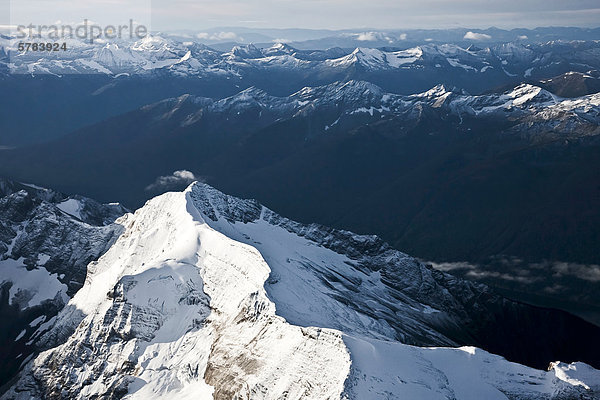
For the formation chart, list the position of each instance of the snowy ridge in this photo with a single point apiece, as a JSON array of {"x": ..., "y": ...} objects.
[
  {"x": 208, "y": 296},
  {"x": 342, "y": 102}
]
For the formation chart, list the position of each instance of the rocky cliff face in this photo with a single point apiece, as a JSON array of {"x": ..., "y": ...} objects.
[
  {"x": 204, "y": 295},
  {"x": 46, "y": 242}
]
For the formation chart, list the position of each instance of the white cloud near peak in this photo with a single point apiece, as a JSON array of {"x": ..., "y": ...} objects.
[
  {"x": 177, "y": 178},
  {"x": 476, "y": 36}
]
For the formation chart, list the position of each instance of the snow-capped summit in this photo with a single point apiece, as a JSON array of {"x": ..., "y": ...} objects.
[
  {"x": 247, "y": 51},
  {"x": 205, "y": 295},
  {"x": 526, "y": 93},
  {"x": 513, "y": 52},
  {"x": 114, "y": 55},
  {"x": 252, "y": 92},
  {"x": 341, "y": 94},
  {"x": 375, "y": 59},
  {"x": 435, "y": 92},
  {"x": 154, "y": 44},
  {"x": 279, "y": 49}
]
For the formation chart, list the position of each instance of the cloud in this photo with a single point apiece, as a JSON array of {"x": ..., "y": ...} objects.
[
  {"x": 590, "y": 273},
  {"x": 403, "y": 36},
  {"x": 522, "y": 37},
  {"x": 373, "y": 37},
  {"x": 367, "y": 37},
  {"x": 452, "y": 266},
  {"x": 503, "y": 276},
  {"x": 554, "y": 289},
  {"x": 477, "y": 272},
  {"x": 178, "y": 178},
  {"x": 523, "y": 272},
  {"x": 476, "y": 36},
  {"x": 349, "y": 14},
  {"x": 218, "y": 36}
]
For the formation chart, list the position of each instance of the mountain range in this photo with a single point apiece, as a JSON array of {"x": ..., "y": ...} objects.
[
  {"x": 474, "y": 151},
  {"x": 444, "y": 175},
  {"x": 91, "y": 82}
]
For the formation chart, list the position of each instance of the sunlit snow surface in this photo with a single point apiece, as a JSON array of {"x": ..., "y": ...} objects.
[
  {"x": 190, "y": 303},
  {"x": 381, "y": 368},
  {"x": 30, "y": 288},
  {"x": 71, "y": 207}
]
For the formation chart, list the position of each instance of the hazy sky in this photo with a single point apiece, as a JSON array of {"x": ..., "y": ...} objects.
[{"x": 330, "y": 14}]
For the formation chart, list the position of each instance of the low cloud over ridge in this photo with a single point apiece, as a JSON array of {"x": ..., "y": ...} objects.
[
  {"x": 178, "y": 178},
  {"x": 476, "y": 36}
]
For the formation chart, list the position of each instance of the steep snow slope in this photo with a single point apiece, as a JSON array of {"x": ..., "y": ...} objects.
[
  {"x": 322, "y": 277},
  {"x": 175, "y": 308},
  {"x": 390, "y": 370},
  {"x": 183, "y": 305}
]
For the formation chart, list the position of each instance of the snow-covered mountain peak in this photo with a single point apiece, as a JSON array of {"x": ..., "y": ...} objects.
[
  {"x": 525, "y": 93},
  {"x": 279, "y": 49},
  {"x": 247, "y": 99},
  {"x": 447, "y": 49},
  {"x": 176, "y": 308},
  {"x": 436, "y": 97},
  {"x": 366, "y": 53},
  {"x": 248, "y": 51},
  {"x": 207, "y": 295},
  {"x": 436, "y": 91},
  {"x": 342, "y": 93},
  {"x": 375, "y": 59},
  {"x": 512, "y": 51},
  {"x": 354, "y": 87},
  {"x": 416, "y": 52},
  {"x": 216, "y": 205},
  {"x": 114, "y": 55},
  {"x": 366, "y": 57},
  {"x": 251, "y": 92},
  {"x": 153, "y": 43}
]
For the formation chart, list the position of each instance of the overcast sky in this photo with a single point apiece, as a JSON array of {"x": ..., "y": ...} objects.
[{"x": 329, "y": 14}]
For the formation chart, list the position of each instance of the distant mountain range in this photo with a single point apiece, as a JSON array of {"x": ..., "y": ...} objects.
[
  {"x": 188, "y": 58},
  {"x": 90, "y": 83}
]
